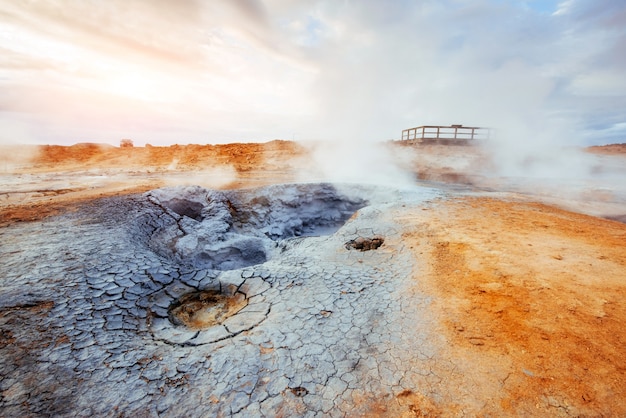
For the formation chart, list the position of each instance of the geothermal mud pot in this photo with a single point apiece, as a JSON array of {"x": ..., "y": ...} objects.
[{"x": 285, "y": 300}]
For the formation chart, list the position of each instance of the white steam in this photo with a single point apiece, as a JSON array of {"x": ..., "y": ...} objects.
[
  {"x": 352, "y": 162},
  {"x": 216, "y": 177}
]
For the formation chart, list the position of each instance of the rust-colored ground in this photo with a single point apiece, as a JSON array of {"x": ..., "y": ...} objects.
[
  {"x": 135, "y": 170},
  {"x": 530, "y": 300},
  {"x": 243, "y": 157},
  {"x": 611, "y": 149}
]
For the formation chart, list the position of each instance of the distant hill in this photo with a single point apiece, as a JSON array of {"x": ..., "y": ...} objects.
[{"x": 610, "y": 149}]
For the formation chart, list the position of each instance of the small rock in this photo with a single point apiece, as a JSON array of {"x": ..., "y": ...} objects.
[
  {"x": 365, "y": 244},
  {"x": 299, "y": 391},
  {"x": 476, "y": 341}
]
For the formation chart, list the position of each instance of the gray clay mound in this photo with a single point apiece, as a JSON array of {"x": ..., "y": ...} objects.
[
  {"x": 226, "y": 230},
  {"x": 292, "y": 300}
]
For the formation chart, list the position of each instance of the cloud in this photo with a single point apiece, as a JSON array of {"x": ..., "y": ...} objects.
[{"x": 194, "y": 71}]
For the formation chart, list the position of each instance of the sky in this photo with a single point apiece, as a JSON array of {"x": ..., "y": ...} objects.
[{"x": 217, "y": 71}]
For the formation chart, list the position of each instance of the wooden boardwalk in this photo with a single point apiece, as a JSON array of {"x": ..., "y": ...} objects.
[{"x": 445, "y": 134}]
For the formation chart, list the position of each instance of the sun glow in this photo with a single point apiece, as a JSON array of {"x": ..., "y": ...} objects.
[{"x": 137, "y": 86}]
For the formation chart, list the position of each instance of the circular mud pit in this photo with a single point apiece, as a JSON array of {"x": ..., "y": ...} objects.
[
  {"x": 204, "y": 309},
  {"x": 232, "y": 229},
  {"x": 365, "y": 244},
  {"x": 215, "y": 313}
]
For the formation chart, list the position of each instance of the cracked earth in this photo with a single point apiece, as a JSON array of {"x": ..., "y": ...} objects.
[
  {"x": 321, "y": 331},
  {"x": 313, "y": 300}
]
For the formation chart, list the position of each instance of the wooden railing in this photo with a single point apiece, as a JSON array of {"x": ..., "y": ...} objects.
[{"x": 444, "y": 133}]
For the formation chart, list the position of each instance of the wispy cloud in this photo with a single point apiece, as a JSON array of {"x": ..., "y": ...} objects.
[{"x": 194, "y": 71}]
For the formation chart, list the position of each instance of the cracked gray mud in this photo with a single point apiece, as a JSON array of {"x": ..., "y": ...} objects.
[{"x": 194, "y": 302}]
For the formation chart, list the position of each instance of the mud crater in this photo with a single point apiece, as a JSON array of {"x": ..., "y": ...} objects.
[
  {"x": 221, "y": 310},
  {"x": 232, "y": 229},
  {"x": 205, "y": 308}
]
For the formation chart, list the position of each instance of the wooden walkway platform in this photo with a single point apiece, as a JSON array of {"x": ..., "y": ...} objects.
[{"x": 445, "y": 134}]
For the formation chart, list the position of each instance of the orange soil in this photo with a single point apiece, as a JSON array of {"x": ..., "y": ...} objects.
[
  {"x": 244, "y": 157},
  {"x": 530, "y": 301},
  {"x": 528, "y": 298},
  {"x": 150, "y": 167},
  {"x": 147, "y": 168},
  {"x": 612, "y": 149}
]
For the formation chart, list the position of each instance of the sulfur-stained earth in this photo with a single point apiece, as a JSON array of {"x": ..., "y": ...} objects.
[
  {"x": 38, "y": 181},
  {"x": 482, "y": 300},
  {"x": 530, "y": 300}
]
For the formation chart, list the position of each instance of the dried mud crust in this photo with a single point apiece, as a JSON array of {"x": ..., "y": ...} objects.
[
  {"x": 59, "y": 204},
  {"x": 530, "y": 300}
]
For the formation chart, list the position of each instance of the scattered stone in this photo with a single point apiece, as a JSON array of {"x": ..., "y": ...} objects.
[
  {"x": 476, "y": 340},
  {"x": 299, "y": 391},
  {"x": 365, "y": 244}
]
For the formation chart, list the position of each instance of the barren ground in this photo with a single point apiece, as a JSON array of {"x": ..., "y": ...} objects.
[
  {"x": 43, "y": 180},
  {"x": 529, "y": 296}
]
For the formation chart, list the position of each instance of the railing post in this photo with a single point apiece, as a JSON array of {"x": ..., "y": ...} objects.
[{"x": 458, "y": 132}]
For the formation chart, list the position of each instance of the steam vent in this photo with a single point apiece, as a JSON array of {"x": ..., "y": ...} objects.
[{"x": 287, "y": 299}]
